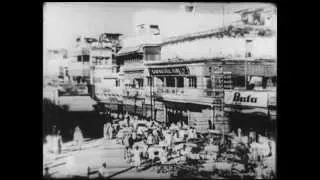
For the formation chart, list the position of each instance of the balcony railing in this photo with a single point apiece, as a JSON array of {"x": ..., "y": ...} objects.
[
  {"x": 133, "y": 92},
  {"x": 187, "y": 92}
]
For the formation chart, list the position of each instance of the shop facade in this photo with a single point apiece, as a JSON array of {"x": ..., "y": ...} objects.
[
  {"x": 184, "y": 90},
  {"x": 251, "y": 111}
]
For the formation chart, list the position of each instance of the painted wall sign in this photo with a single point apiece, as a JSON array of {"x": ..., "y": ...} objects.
[
  {"x": 246, "y": 98},
  {"x": 182, "y": 70}
]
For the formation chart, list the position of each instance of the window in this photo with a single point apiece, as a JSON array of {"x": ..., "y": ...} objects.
[
  {"x": 117, "y": 83},
  {"x": 149, "y": 81},
  {"x": 193, "y": 82},
  {"x": 139, "y": 83},
  {"x": 248, "y": 48},
  {"x": 86, "y": 58},
  {"x": 238, "y": 81},
  {"x": 170, "y": 81},
  {"x": 180, "y": 82},
  {"x": 79, "y": 58},
  {"x": 209, "y": 83}
]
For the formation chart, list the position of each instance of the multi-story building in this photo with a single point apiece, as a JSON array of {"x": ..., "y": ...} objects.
[
  {"x": 186, "y": 73},
  {"x": 218, "y": 75},
  {"x": 54, "y": 63},
  {"x": 104, "y": 70},
  {"x": 79, "y": 61},
  {"x": 136, "y": 51}
]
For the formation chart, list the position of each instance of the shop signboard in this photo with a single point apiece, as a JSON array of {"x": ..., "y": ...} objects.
[
  {"x": 246, "y": 98},
  {"x": 181, "y": 70}
]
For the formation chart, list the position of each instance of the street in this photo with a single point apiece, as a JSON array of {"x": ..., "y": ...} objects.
[{"x": 74, "y": 162}]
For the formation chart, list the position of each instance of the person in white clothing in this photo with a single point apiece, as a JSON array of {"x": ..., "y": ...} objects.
[
  {"x": 136, "y": 157},
  {"x": 105, "y": 132},
  {"x": 59, "y": 142},
  {"x": 110, "y": 132},
  {"x": 163, "y": 155},
  {"x": 103, "y": 171},
  {"x": 78, "y": 137}
]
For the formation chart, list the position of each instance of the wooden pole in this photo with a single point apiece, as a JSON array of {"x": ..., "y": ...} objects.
[{"x": 151, "y": 96}]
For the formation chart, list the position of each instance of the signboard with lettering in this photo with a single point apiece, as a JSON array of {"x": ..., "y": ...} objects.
[
  {"x": 182, "y": 70},
  {"x": 246, "y": 98}
]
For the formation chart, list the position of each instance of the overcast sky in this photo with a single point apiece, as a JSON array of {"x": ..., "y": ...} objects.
[{"x": 63, "y": 22}]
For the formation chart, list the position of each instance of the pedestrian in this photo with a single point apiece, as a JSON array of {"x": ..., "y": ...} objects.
[
  {"x": 210, "y": 124},
  {"x": 46, "y": 173},
  {"x": 127, "y": 146},
  {"x": 110, "y": 132},
  {"x": 54, "y": 130},
  {"x": 105, "y": 132},
  {"x": 239, "y": 133},
  {"x": 78, "y": 137},
  {"x": 103, "y": 171},
  {"x": 270, "y": 149},
  {"x": 163, "y": 155},
  {"x": 169, "y": 140},
  {"x": 156, "y": 138},
  {"x": 59, "y": 142},
  {"x": 259, "y": 171},
  {"x": 150, "y": 140},
  {"x": 251, "y": 136},
  {"x": 128, "y": 121},
  {"x": 137, "y": 157}
]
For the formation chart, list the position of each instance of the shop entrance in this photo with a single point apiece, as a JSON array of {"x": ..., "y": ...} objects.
[
  {"x": 258, "y": 122},
  {"x": 177, "y": 116},
  {"x": 176, "y": 113}
]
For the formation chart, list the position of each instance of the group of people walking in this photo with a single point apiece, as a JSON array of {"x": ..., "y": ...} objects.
[
  {"x": 55, "y": 143},
  {"x": 154, "y": 141}
]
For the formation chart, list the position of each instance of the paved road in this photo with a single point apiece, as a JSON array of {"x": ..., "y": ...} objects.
[{"x": 73, "y": 162}]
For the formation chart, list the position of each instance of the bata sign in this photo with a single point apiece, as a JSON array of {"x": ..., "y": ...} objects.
[
  {"x": 183, "y": 70},
  {"x": 246, "y": 98}
]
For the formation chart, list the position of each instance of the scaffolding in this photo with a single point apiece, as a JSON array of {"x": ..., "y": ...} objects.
[{"x": 221, "y": 81}]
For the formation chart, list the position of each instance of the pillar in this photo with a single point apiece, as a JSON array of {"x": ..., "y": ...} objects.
[
  {"x": 165, "y": 114},
  {"x": 175, "y": 84},
  {"x": 189, "y": 117},
  {"x": 186, "y": 82},
  {"x": 212, "y": 116}
]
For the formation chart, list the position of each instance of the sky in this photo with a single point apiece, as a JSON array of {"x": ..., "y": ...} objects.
[{"x": 63, "y": 22}]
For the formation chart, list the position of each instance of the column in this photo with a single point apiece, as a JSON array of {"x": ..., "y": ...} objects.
[
  {"x": 165, "y": 114},
  {"x": 189, "y": 117},
  {"x": 186, "y": 82},
  {"x": 175, "y": 84},
  {"x": 212, "y": 115}
]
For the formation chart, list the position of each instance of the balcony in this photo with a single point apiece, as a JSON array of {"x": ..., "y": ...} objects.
[
  {"x": 186, "y": 94},
  {"x": 133, "y": 92}
]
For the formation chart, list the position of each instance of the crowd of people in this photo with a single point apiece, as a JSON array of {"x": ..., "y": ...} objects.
[{"x": 150, "y": 141}]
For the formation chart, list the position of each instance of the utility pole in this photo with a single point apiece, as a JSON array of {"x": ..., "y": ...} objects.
[{"x": 151, "y": 96}]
